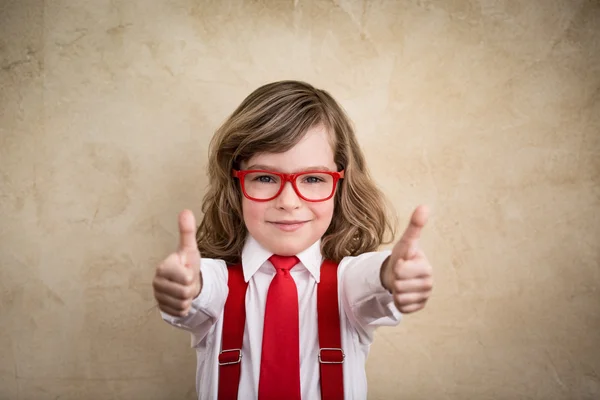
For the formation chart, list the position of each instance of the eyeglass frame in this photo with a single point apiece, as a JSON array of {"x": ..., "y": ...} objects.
[{"x": 241, "y": 175}]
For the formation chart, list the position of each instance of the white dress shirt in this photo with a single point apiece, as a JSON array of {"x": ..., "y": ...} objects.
[{"x": 363, "y": 302}]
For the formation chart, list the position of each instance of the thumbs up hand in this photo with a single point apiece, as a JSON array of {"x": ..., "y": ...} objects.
[
  {"x": 406, "y": 273},
  {"x": 177, "y": 280}
]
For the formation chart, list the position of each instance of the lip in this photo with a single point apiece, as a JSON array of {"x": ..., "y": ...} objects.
[{"x": 288, "y": 226}]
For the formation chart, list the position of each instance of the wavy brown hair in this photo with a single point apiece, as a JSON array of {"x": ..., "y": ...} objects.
[{"x": 273, "y": 119}]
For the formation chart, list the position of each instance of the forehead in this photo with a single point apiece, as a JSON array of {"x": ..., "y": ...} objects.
[{"x": 314, "y": 149}]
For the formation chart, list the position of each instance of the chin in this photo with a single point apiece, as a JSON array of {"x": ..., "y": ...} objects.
[
  {"x": 287, "y": 250},
  {"x": 289, "y": 246}
]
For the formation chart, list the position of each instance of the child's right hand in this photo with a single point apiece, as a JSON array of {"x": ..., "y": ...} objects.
[{"x": 177, "y": 280}]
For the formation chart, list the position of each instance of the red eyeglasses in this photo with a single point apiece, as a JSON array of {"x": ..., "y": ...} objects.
[{"x": 314, "y": 186}]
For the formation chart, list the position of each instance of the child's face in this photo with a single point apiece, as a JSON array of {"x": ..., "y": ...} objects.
[{"x": 287, "y": 224}]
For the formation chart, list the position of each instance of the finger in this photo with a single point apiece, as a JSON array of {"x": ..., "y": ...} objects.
[
  {"x": 418, "y": 254},
  {"x": 413, "y": 285},
  {"x": 406, "y": 299},
  {"x": 173, "y": 289},
  {"x": 411, "y": 308},
  {"x": 173, "y": 270},
  {"x": 187, "y": 231},
  {"x": 172, "y": 311},
  {"x": 174, "y": 303},
  {"x": 412, "y": 269},
  {"x": 407, "y": 245}
]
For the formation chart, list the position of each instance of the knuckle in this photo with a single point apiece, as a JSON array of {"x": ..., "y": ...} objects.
[
  {"x": 397, "y": 286},
  {"x": 179, "y": 305},
  {"x": 428, "y": 270},
  {"x": 160, "y": 270},
  {"x": 398, "y": 305},
  {"x": 164, "y": 268},
  {"x": 183, "y": 312},
  {"x": 410, "y": 308},
  {"x": 165, "y": 308},
  {"x": 188, "y": 279},
  {"x": 169, "y": 262},
  {"x": 188, "y": 292},
  {"x": 158, "y": 282},
  {"x": 428, "y": 284},
  {"x": 397, "y": 270},
  {"x": 400, "y": 300}
]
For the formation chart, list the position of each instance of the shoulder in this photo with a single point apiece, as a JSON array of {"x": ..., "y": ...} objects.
[
  {"x": 217, "y": 262},
  {"x": 213, "y": 266},
  {"x": 369, "y": 258}
]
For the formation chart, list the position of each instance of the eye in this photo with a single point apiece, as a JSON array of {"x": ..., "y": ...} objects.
[
  {"x": 264, "y": 179},
  {"x": 313, "y": 179}
]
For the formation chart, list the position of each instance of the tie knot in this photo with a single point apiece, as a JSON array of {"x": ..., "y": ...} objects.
[{"x": 283, "y": 262}]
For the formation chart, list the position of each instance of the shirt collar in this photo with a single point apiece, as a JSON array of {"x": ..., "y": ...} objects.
[{"x": 254, "y": 256}]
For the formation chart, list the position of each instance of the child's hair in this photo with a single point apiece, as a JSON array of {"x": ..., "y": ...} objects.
[{"x": 273, "y": 119}]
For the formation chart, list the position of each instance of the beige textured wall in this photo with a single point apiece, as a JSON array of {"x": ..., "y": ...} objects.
[{"x": 488, "y": 111}]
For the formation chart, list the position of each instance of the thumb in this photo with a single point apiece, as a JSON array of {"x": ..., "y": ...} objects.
[
  {"x": 407, "y": 246},
  {"x": 187, "y": 232}
]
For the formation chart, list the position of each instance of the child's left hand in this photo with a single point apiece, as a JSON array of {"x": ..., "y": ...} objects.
[{"x": 406, "y": 273}]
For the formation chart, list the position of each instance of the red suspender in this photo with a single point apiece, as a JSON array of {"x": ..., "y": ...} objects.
[
  {"x": 234, "y": 319},
  {"x": 331, "y": 356}
]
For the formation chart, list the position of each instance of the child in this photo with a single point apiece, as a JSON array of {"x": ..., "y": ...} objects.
[{"x": 291, "y": 219}]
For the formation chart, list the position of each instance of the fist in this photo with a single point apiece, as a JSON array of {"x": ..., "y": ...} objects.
[
  {"x": 406, "y": 273},
  {"x": 177, "y": 280}
]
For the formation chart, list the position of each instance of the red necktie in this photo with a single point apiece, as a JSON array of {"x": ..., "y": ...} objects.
[{"x": 280, "y": 360}]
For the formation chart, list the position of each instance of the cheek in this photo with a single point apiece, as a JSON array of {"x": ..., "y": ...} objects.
[
  {"x": 323, "y": 211},
  {"x": 253, "y": 213}
]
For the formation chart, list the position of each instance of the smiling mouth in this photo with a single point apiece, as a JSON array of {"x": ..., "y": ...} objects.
[{"x": 288, "y": 226}]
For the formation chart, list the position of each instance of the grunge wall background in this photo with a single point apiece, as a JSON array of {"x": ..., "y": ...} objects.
[{"x": 488, "y": 111}]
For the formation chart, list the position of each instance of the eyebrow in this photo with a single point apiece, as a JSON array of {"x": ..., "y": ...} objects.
[{"x": 270, "y": 168}]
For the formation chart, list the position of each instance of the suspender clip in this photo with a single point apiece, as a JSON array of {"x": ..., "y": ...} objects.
[
  {"x": 227, "y": 358},
  {"x": 328, "y": 358}
]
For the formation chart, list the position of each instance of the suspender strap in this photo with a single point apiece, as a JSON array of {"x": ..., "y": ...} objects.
[
  {"x": 234, "y": 320},
  {"x": 331, "y": 355}
]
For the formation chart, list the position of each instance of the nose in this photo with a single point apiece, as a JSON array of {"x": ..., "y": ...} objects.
[{"x": 288, "y": 198}]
